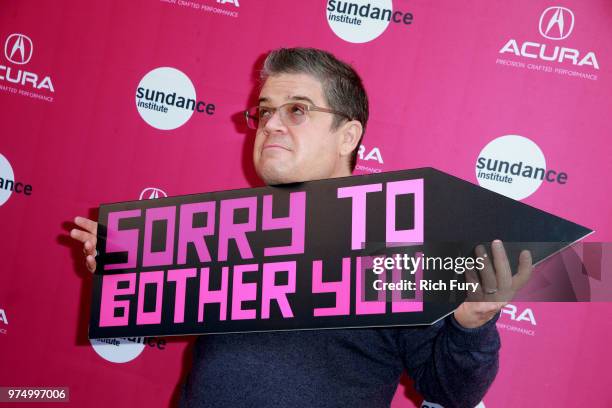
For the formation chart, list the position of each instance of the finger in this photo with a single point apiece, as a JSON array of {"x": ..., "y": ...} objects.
[
  {"x": 90, "y": 262},
  {"x": 83, "y": 236},
  {"x": 487, "y": 274},
  {"x": 503, "y": 271},
  {"x": 472, "y": 277},
  {"x": 525, "y": 268},
  {"x": 89, "y": 248},
  {"x": 87, "y": 224}
]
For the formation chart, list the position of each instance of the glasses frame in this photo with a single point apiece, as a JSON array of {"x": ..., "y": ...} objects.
[{"x": 308, "y": 108}]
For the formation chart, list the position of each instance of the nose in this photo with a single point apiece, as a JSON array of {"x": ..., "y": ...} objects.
[{"x": 274, "y": 123}]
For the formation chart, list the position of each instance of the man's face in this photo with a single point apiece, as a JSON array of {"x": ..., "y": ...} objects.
[{"x": 308, "y": 151}]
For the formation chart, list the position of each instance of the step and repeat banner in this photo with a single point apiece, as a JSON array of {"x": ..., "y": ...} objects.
[{"x": 113, "y": 101}]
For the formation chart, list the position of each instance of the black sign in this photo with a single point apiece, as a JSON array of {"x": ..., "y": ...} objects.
[{"x": 304, "y": 256}]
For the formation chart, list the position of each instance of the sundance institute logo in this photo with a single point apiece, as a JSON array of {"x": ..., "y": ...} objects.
[
  {"x": 514, "y": 166},
  {"x": 360, "y": 21},
  {"x": 8, "y": 184},
  {"x": 166, "y": 99},
  {"x": 119, "y": 350}
]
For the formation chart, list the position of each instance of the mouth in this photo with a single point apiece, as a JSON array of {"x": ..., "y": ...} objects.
[{"x": 274, "y": 146}]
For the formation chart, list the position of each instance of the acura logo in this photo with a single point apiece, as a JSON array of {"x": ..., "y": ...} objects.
[
  {"x": 151, "y": 193},
  {"x": 556, "y": 23},
  {"x": 18, "y": 49}
]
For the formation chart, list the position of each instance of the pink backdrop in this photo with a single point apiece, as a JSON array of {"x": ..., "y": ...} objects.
[{"x": 440, "y": 89}]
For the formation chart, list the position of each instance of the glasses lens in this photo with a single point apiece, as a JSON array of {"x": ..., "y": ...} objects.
[
  {"x": 294, "y": 113},
  {"x": 252, "y": 117},
  {"x": 263, "y": 114},
  {"x": 291, "y": 114}
]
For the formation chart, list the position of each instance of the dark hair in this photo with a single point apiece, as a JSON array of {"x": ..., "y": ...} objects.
[{"x": 342, "y": 86}]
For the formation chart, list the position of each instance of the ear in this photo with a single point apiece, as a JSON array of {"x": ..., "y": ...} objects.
[{"x": 349, "y": 137}]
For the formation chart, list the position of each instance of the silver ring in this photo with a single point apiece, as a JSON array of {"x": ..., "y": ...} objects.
[
  {"x": 97, "y": 253},
  {"x": 490, "y": 291}
]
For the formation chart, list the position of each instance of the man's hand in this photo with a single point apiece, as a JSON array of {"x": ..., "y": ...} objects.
[
  {"x": 88, "y": 238},
  {"x": 496, "y": 286}
]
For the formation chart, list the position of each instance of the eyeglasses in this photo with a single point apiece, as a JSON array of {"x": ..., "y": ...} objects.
[{"x": 291, "y": 114}]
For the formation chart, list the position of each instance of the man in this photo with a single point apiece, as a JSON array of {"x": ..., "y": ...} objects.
[{"x": 311, "y": 116}]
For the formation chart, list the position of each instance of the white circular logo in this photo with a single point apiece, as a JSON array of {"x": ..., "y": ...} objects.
[
  {"x": 358, "y": 21},
  {"x": 165, "y": 98},
  {"x": 6, "y": 173},
  {"x": 119, "y": 350},
  {"x": 427, "y": 404},
  {"x": 511, "y": 165}
]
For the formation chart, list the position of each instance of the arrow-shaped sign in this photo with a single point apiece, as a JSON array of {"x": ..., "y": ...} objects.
[{"x": 342, "y": 252}]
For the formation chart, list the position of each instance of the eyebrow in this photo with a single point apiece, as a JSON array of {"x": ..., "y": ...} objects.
[{"x": 294, "y": 98}]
